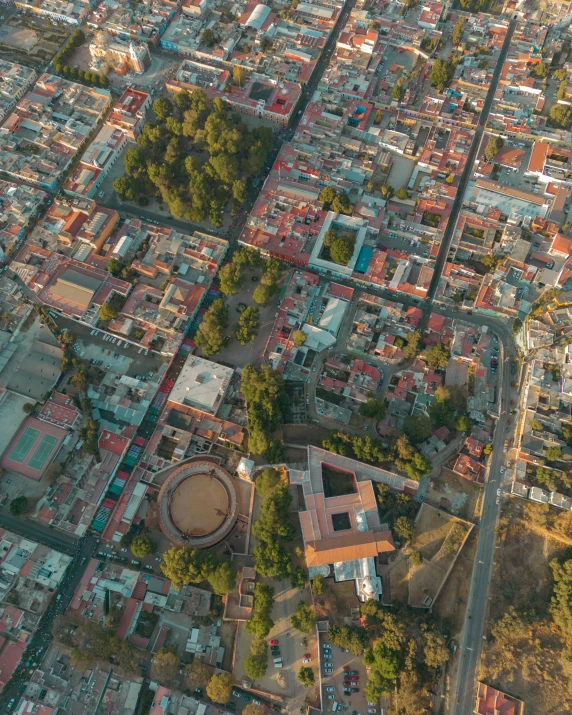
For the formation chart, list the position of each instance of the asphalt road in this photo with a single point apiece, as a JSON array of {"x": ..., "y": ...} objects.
[
  {"x": 36, "y": 531},
  {"x": 81, "y": 550},
  {"x": 468, "y": 171}
]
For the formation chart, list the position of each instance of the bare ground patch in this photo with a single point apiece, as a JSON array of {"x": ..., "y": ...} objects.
[{"x": 522, "y": 579}]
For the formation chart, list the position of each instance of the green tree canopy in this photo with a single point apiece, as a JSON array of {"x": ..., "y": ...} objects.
[
  {"x": 142, "y": 546},
  {"x": 230, "y": 276},
  {"x": 210, "y": 336},
  {"x": 267, "y": 481},
  {"x": 299, "y": 337},
  {"x": 248, "y": 325},
  {"x": 219, "y": 688},
  {"x": 418, "y": 429},
  {"x": 21, "y": 506},
  {"x": 440, "y": 74},
  {"x": 342, "y": 249},
  {"x": 493, "y": 147},
  {"x": 560, "y": 115},
  {"x": 437, "y": 357},
  {"x": 306, "y": 677},
  {"x": 304, "y": 619}
]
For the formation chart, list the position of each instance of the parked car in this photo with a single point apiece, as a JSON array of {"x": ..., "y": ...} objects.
[{"x": 273, "y": 642}]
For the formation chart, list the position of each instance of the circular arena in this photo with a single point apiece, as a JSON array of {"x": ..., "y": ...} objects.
[{"x": 198, "y": 504}]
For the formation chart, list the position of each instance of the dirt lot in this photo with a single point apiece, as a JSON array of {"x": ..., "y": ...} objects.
[
  {"x": 305, "y": 434},
  {"x": 454, "y": 494},
  {"x": 522, "y": 579},
  {"x": 438, "y": 538},
  {"x": 31, "y": 42},
  {"x": 337, "y": 601}
]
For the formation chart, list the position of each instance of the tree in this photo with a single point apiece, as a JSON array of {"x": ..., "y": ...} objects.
[
  {"x": 253, "y": 708},
  {"x": 387, "y": 191},
  {"x": 272, "y": 560},
  {"x": 223, "y": 578},
  {"x": 384, "y": 664},
  {"x": 142, "y": 546},
  {"x": 402, "y": 193},
  {"x": 261, "y": 624},
  {"x": 560, "y": 74},
  {"x": 230, "y": 279},
  {"x": 458, "y": 30},
  {"x": 267, "y": 481},
  {"x": 114, "y": 267},
  {"x": 540, "y": 69},
  {"x": 327, "y": 196},
  {"x": 560, "y": 115},
  {"x": 275, "y": 452},
  {"x": 378, "y": 117},
  {"x": 463, "y": 423},
  {"x": 418, "y": 429},
  {"x": 398, "y": 91},
  {"x": 108, "y": 311},
  {"x": 219, "y": 688},
  {"x": 342, "y": 249},
  {"x": 303, "y": 619},
  {"x": 404, "y": 529},
  {"x": 418, "y": 467},
  {"x": 21, "y": 506},
  {"x": 516, "y": 326},
  {"x": 318, "y": 585},
  {"x": 561, "y": 603},
  {"x": 306, "y": 677},
  {"x": 80, "y": 381},
  {"x": 438, "y": 357},
  {"x": 413, "y": 343},
  {"x": 210, "y": 335},
  {"x": 416, "y": 558},
  {"x": 197, "y": 675},
  {"x": 440, "y": 74},
  {"x": 299, "y": 337},
  {"x": 375, "y": 407},
  {"x": 165, "y": 666},
  {"x": 256, "y": 663},
  {"x": 495, "y": 144},
  {"x": 238, "y": 76},
  {"x": 435, "y": 651},
  {"x": 354, "y": 638},
  {"x": 262, "y": 294},
  {"x": 183, "y": 565},
  {"x": 299, "y": 578},
  {"x": 208, "y": 38},
  {"x": 553, "y": 454},
  {"x": 28, "y": 408},
  {"x": 342, "y": 204},
  {"x": 537, "y": 425},
  {"x": 248, "y": 325}
]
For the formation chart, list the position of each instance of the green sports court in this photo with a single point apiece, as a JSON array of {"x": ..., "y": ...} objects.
[{"x": 33, "y": 448}]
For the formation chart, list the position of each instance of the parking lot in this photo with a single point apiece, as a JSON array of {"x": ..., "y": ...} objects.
[
  {"x": 401, "y": 243},
  {"x": 122, "y": 356},
  {"x": 343, "y": 678}
]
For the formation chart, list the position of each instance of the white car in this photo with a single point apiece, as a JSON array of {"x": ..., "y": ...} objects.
[
  {"x": 499, "y": 492},
  {"x": 502, "y": 469},
  {"x": 307, "y": 660},
  {"x": 330, "y": 689}
]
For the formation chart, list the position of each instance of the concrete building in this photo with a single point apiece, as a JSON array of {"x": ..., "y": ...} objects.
[{"x": 202, "y": 384}]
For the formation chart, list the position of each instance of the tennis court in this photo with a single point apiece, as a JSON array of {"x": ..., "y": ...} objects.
[
  {"x": 24, "y": 445},
  {"x": 43, "y": 451}
]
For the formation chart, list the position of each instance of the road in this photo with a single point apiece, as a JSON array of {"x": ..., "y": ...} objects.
[
  {"x": 81, "y": 550},
  {"x": 482, "y": 569},
  {"x": 36, "y": 531},
  {"x": 468, "y": 171}
]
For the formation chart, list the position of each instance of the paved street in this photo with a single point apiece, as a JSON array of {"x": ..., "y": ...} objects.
[{"x": 82, "y": 551}]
